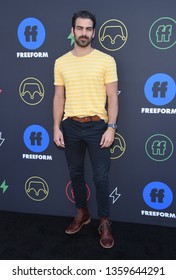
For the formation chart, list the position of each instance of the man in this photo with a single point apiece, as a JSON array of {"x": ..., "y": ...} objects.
[{"x": 85, "y": 82}]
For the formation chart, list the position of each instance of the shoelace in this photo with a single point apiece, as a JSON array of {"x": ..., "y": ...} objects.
[{"x": 102, "y": 224}]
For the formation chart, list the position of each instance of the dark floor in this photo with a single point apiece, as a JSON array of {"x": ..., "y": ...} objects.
[{"x": 39, "y": 237}]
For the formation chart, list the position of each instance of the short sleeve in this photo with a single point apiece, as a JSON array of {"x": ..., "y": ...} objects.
[
  {"x": 111, "y": 71},
  {"x": 58, "y": 78}
]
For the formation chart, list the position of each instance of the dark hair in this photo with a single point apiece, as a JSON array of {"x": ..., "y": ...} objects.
[{"x": 83, "y": 14}]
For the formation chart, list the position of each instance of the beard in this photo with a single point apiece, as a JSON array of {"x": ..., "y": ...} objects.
[{"x": 83, "y": 41}]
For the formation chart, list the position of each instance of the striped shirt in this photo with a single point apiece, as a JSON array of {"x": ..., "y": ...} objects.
[{"x": 85, "y": 80}]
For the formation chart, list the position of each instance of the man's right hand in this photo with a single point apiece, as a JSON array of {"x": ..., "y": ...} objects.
[{"x": 58, "y": 138}]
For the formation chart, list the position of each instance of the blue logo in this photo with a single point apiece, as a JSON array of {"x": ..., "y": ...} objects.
[
  {"x": 157, "y": 195},
  {"x": 160, "y": 89},
  {"x": 36, "y": 138},
  {"x": 31, "y": 33}
]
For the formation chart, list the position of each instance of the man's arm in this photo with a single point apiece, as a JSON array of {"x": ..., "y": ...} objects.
[
  {"x": 112, "y": 94},
  {"x": 58, "y": 110}
]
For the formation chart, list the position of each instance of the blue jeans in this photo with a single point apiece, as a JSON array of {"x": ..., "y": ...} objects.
[{"x": 78, "y": 137}]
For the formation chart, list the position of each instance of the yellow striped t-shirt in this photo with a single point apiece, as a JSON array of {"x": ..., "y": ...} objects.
[{"x": 85, "y": 80}]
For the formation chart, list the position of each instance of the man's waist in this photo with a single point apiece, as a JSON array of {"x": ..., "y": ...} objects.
[{"x": 94, "y": 118}]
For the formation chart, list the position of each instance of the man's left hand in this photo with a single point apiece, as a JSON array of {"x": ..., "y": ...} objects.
[{"x": 107, "y": 138}]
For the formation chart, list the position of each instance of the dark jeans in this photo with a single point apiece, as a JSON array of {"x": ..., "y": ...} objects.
[{"x": 78, "y": 137}]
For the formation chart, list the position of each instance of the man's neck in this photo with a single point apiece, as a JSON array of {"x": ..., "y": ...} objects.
[{"x": 80, "y": 51}]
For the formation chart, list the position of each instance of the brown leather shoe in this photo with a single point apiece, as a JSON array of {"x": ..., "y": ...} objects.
[
  {"x": 82, "y": 218},
  {"x": 106, "y": 238}
]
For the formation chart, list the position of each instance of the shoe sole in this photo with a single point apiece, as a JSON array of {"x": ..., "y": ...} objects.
[
  {"x": 107, "y": 247},
  {"x": 85, "y": 223}
]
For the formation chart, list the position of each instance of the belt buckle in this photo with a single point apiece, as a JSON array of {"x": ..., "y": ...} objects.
[{"x": 87, "y": 119}]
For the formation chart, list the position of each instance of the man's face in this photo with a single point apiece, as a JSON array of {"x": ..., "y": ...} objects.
[{"x": 83, "y": 32}]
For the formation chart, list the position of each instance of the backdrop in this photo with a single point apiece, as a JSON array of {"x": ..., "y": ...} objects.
[{"x": 141, "y": 36}]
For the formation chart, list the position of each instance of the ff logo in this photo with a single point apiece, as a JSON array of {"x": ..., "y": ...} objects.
[
  {"x": 31, "y": 33},
  {"x": 113, "y": 35},
  {"x": 31, "y": 91},
  {"x": 160, "y": 89},
  {"x": 36, "y": 188},
  {"x": 70, "y": 194},
  {"x": 118, "y": 148},
  {"x": 157, "y": 195},
  {"x": 36, "y": 138},
  {"x": 159, "y": 147},
  {"x": 162, "y": 33}
]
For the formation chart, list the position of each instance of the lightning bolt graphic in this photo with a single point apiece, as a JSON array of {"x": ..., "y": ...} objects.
[
  {"x": 114, "y": 195},
  {"x": 4, "y": 186},
  {"x": 1, "y": 139},
  {"x": 71, "y": 38}
]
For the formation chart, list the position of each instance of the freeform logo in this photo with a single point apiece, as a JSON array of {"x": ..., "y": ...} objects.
[
  {"x": 31, "y": 35},
  {"x": 113, "y": 35},
  {"x": 162, "y": 33},
  {"x": 36, "y": 139},
  {"x": 70, "y": 194},
  {"x": 119, "y": 146},
  {"x": 157, "y": 195},
  {"x": 31, "y": 91},
  {"x": 159, "y": 90},
  {"x": 159, "y": 147},
  {"x": 36, "y": 188}
]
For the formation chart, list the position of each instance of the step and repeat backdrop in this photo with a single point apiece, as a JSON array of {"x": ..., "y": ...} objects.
[{"x": 141, "y": 36}]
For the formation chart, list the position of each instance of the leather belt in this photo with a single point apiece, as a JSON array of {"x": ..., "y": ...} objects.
[{"x": 86, "y": 119}]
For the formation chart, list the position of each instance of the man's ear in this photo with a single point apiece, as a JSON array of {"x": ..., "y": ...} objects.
[
  {"x": 72, "y": 31},
  {"x": 93, "y": 34}
]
